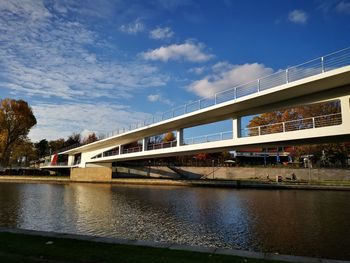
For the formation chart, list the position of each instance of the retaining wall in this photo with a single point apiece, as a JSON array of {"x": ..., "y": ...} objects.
[
  {"x": 91, "y": 174},
  {"x": 233, "y": 173}
]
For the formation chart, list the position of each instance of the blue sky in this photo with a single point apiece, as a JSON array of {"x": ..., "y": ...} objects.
[{"x": 101, "y": 65}]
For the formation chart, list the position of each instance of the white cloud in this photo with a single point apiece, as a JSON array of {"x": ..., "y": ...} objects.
[
  {"x": 343, "y": 7},
  {"x": 159, "y": 98},
  {"x": 44, "y": 56},
  {"x": 226, "y": 76},
  {"x": 132, "y": 28},
  {"x": 161, "y": 33},
  {"x": 57, "y": 121},
  {"x": 197, "y": 70},
  {"x": 298, "y": 16},
  {"x": 187, "y": 52},
  {"x": 153, "y": 97},
  {"x": 33, "y": 10}
]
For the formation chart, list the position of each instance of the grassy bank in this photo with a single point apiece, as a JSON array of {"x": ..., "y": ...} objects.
[{"x": 29, "y": 248}]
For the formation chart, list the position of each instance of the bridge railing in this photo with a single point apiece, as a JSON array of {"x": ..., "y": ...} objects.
[
  {"x": 55, "y": 164},
  {"x": 209, "y": 138},
  {"x": 111, "y": 153},
  {"x": 294, "y": 125},
  {"x": 313, "y": 67},
  {"x": 161, "y": 145},
  {"x": 133, "y": 150}
]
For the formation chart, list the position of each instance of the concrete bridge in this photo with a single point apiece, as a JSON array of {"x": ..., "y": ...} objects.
[{"x": 320, "y": 80}]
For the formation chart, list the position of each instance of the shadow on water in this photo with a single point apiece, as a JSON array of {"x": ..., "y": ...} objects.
[{"x": 312, "y": 223}]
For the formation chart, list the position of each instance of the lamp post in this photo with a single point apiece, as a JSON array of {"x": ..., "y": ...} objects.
[
  {"x": 149, "y": 168},
  {"x": 213, "y": 162}
]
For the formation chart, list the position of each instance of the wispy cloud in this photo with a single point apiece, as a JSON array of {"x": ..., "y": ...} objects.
[
  {"x": 54, "y": 60},
  {"x": 187, "y": 52},
  {"x": 161, "y": 33},
  {"x": 46, "y": 56},
  {"x": 159, "y": 98},
  {"x": 61, "y": 120},
  {"x": 343, "y": 7},
  {"x": 132, "y": 28},
  {"x": 197, "y": 70},
  {"x": 225, "y": 76},
  {"x": 298, "y": 16}
]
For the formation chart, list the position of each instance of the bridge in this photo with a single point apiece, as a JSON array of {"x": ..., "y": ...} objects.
[{"x": 325, "y": 79}]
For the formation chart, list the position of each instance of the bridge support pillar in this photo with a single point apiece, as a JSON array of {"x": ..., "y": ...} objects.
[
  {"x": 236, "y": 128},
  {"x": 345, "y": 109},
  {"x": 179, "y": 137},
  {"x": 144, "y": 144},
  {"x": 120, "y": 149},
  {"x": 70, "y": 159}
]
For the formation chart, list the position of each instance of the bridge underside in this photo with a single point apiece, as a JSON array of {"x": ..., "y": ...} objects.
[{"x": 334, "y": 127}]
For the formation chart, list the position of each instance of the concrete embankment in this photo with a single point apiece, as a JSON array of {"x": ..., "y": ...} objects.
[
  {"x": 233, "y": 173},
  {"x": 253, "y": 184}
]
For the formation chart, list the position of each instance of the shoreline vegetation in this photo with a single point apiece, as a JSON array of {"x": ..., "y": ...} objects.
[{"x": 19, "y": 245}]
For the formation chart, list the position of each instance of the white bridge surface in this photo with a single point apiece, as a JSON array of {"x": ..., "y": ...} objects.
[{"x": 311, "y": 86}]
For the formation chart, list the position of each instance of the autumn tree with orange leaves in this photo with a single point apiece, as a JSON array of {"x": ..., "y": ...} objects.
[{"x": 16, "y": 120}]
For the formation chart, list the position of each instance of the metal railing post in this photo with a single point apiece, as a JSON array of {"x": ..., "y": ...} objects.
[
  {"x": 284, "y": 126},
  {"x": 287, "y": 77},
  {"x": 322, "y": 64},
  {"x": 215, "y": 99},
  {"x": 235, "y": 93},
  {"x": 258, "y": 85},
  {"x": 259, "y": 131},
  {"x": 313, "y": 122}
]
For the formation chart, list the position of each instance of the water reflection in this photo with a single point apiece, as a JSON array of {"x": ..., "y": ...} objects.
[{"x": 313, "y": 223}]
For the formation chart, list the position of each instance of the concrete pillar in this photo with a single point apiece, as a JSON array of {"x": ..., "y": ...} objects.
[
  {"x": 345, "y": 109},
  {"x": 120, "y": 149},
  {"x": 236, "y": 127},
  {"x": 179, "y": 137},
  {"x": 70, "y": 159},
  {"x": 144, "y": 144}
]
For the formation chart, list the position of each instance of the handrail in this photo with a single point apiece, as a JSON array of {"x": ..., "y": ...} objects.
[
  {"x": 314, "y": 122},
  {"x": 331, "y": 61},
  {"x": 221, "y": 136},
  {"x": 162, "y": 145},
  {"x": 321, "y": 68}
]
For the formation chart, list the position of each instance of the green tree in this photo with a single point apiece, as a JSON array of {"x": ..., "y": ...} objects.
[
  {"x": 16, "y": 120},
  {"x": 42, "y": 148},
  {"x": 73, "y": 139},
  {"x": 90, "y": 138}
]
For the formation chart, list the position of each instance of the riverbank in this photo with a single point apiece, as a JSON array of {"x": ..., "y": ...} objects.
[
  {"x": 18, "y": 245},
  {"x": 343, "y": 185}
]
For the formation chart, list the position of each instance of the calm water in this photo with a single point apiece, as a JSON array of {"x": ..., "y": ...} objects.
[{"x": 313, "y": 223}]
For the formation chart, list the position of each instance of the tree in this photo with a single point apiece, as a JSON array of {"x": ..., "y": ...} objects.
[
  {"x": 300, "y": 112},
  {"x": 90, "y": 138},
  {"x": 56, "y": 145},
  {"x": 169, "y": 137},
  {"x": 334, "y": 152},
  {"x": 23, "y": 153},
  {"x": 16, "y": 120},
  {"x": 73, "y": 139},
  {"x": 42, "y": 148}
]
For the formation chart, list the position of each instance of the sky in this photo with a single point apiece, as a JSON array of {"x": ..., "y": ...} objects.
[{"x": 100, "y": 65}]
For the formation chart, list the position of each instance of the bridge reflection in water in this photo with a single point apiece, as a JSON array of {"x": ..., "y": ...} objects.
[{"x": 311, "y": 223}]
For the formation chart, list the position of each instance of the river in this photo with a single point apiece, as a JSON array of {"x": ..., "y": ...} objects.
[{"x": 297, "y": 222}]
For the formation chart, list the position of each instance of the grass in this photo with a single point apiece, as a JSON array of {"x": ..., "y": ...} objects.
[{"x": 29, "y": 248}]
